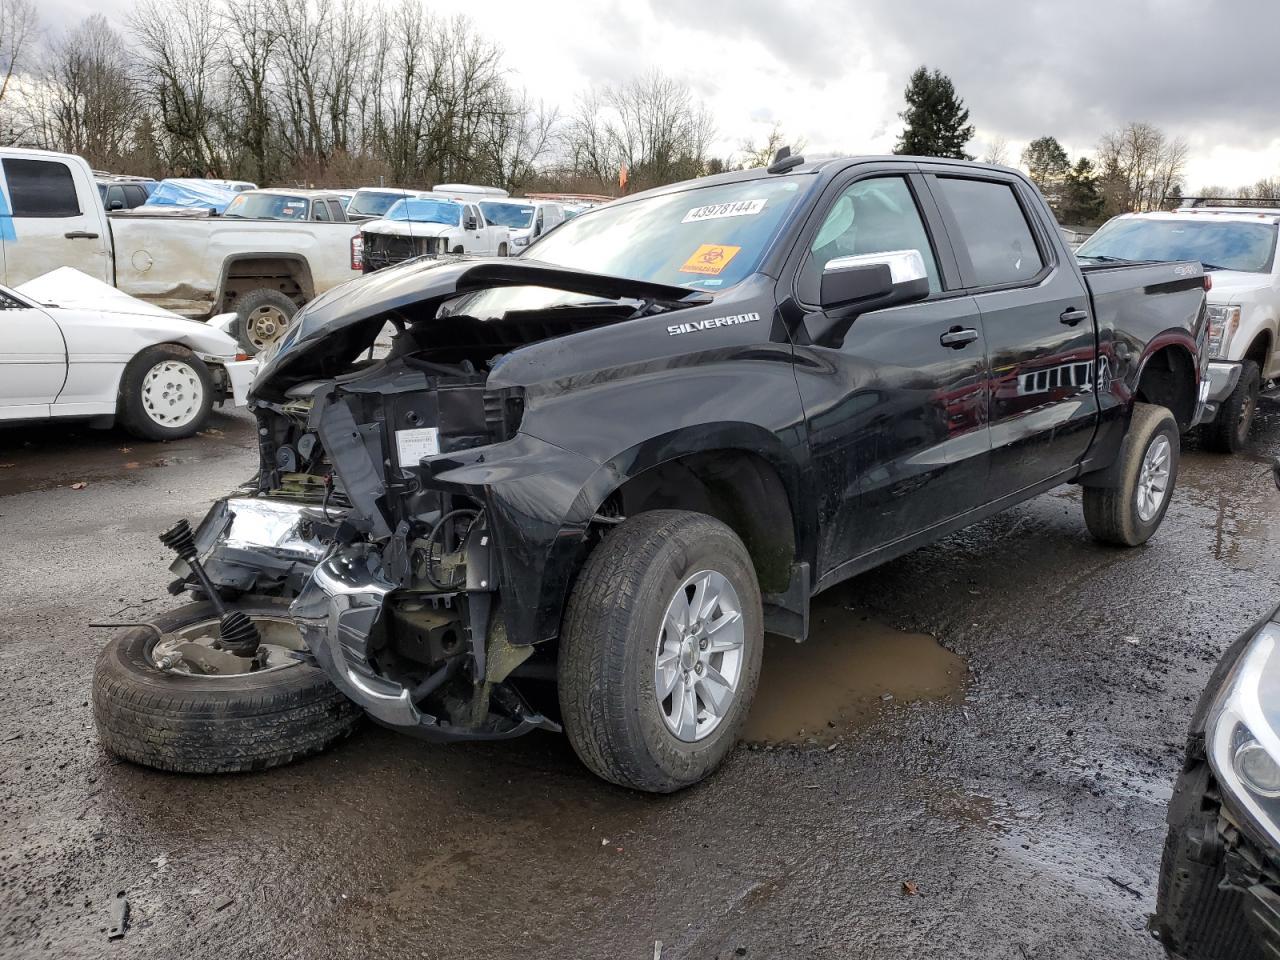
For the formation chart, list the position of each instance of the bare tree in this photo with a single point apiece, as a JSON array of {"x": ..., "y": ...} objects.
[
  {"x": 178, "y": 52},
  {"x": 761, "y": 155},
  {"x": 517, "y": 136},
  {"x": 251, "y": 36},
  {"x": 997, "y": 151},
  {"x": 88, "y": 100},
  {"x": 19, "y": 29},
  {"x": 1140, "y": 167}
]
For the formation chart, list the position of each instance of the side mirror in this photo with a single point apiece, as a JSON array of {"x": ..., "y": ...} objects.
[
  {"x": 472, "y": 224},
  {"x": 116, "y": 205},
  {"x": 852, "y": 286}
]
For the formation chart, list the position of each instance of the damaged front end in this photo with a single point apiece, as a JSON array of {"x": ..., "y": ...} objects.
[{"x": 398, "y": 504}]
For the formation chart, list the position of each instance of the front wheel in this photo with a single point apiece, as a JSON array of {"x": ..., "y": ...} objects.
[
  {"x": 660, "y": 651},
  {"x": 166, "y": 393},
  {"x": 1129, "y": 510},
  {"x": 1229, "y": 431},
  {"x": 167, "y": 697}
]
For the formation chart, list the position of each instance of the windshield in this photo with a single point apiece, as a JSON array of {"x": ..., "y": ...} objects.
[
  {"x": 426, "y": 210},
  {"x": 374, "y": 203},
  {"x": 1218, "y": 244},
  {"x": 517, "y": 216},
  {"x": 268, "y": 206},
  {"x": 706, "y": 238}
]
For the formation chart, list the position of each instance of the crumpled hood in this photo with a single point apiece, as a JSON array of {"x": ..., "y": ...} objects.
[
  {"x": 102, "y": 305},
  {"x": 408, "y": 228},
  {"x": 333, "y": 329}
]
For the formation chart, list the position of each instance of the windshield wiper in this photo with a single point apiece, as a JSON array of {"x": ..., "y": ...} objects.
[
  {"x": 1212, "y": 266},
  {"x": 1102, "y": 258}
]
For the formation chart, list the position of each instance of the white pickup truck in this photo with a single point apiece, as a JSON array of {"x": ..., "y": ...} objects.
[
  {"x": 51, "y": 215},
  {"x": 1237, "y": 246},
  {"x": 430, "y": 225}
]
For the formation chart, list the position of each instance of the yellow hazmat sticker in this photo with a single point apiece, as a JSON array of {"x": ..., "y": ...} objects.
[{"x": 710, "y": 258}]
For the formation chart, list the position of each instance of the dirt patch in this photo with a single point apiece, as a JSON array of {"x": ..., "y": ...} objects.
[{"x": 848, "y": 672}]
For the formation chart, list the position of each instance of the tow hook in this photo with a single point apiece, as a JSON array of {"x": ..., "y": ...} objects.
[{"x": 237, "y": 634}]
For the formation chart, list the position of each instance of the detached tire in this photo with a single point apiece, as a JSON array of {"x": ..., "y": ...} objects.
[
  {"x": 188, "y": 723},
  {"x": 1128, "y": 512},
  {"x": 660, "y": 650},
  {"x": 166, "y": 393},
  {"x": 263, "y": 315},
  {"x": 1229, "y": 431}
]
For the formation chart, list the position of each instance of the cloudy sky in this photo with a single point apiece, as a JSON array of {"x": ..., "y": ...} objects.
[{"x": 832, "y": 72}]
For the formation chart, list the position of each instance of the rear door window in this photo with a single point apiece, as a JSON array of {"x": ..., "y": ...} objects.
[
  {"x": 135, "y": 196},
  {"x": 335, "y": 210},
  {"x": 40, "y": 188},
  {"x": 994, "y": 231}
]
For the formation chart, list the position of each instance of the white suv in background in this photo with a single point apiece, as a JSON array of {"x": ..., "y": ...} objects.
[
  {"x": 1237, "y": 246},
  {"x": 526, "y": 219}
]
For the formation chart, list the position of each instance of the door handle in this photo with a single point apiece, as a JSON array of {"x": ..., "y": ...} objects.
[
  {"x": 80, "y": 235},
  {"x": 1071, "y": 316},
  {"x": 957, "y": 338}
]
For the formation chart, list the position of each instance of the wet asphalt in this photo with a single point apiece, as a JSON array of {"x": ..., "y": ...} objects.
[{"x": 1016, "y": 811}]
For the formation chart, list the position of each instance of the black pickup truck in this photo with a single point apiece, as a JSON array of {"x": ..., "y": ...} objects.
[{"x": 621, "y": 458}]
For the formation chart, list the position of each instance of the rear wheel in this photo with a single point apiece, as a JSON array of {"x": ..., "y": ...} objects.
[
  {"x": 660, "y": 651},
  {"x": 168, "y": 698},
  {"x": 263, "y": 317},
  {"x": 1129, "y": 511},
  {"x": 1229, "y": 431},
  {"x": 166, "y": 393}
]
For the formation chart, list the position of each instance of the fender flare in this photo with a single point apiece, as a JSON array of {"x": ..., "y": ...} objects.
[
  {"x": 563, "y": 551},
  {"x": 308, "y": 279}
]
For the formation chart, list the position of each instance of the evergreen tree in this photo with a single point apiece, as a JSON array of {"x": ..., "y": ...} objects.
[
  {"x": 937, "y": 121},
  {"x": 1046, "y": 163},
  {"x": 1082, "y": 201}
]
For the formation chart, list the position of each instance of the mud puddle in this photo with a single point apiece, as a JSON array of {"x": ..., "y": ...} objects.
[
  {"x": 847, "y": 673},
  {"x": 55, "y": 454}
]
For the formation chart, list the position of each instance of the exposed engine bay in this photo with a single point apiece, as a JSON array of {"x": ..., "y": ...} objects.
[{"x": 392, "y": 566}]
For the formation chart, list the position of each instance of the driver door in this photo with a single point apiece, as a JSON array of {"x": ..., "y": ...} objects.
[
  {"x": 897, "y": 412},
  {"x": 33, "y": 360}
]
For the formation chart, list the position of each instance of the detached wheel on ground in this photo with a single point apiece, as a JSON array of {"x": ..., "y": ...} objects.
[
  {"x": 1229, "y": 431},
  {"x": 660, "y": 650},
  {"x": 263, "y": 315},
  {"x": 188, "y": 719},
  {"x": 166, "y": 393},
  {"x": 1129, "y": 511}
]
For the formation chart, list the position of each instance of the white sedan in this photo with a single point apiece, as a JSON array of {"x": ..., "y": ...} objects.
[{"x": 73, "y": 346}]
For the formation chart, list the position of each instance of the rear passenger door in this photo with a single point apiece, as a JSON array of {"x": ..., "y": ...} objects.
[
  {"x": 1037, "y": 320},
  {"x": 45, "y": 224},
  {"x": 896, "y": 414}
]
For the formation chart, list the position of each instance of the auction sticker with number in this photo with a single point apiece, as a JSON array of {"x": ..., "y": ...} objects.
[
  {"x": 718, "y": 211},
  {"x": 710, "y": 259},
  {"x": 413, "y": 445}
]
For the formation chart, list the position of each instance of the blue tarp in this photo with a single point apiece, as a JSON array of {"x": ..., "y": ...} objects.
[{"x": 191, "y": 193}]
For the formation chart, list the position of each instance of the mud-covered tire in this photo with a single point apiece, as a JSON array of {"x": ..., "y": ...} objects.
[
  {"x": 135, "y": 403},
  {"x": 609, "y": 641},
  {"x": 1111, "y": 512},
  {"x": 190, "y": 724},
  {"x": 1229, "y": 431},
  {"x": 258, "y": 311}
]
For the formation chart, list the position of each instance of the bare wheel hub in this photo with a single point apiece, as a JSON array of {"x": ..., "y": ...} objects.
[{"x": 196, "y": 650}]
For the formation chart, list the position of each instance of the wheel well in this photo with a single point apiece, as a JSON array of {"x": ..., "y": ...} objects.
[
  {"x": 738, "y": 488},
  {"x": 1260, "y": 350},
  {"x": 1169, "y": 379},
  {"x": 290, "y": 275}
]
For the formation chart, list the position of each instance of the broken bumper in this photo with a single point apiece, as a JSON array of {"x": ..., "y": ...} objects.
[
  {"x": 337, "y": 612},
  {"x": 1220, "y": 380},
  {"x": 1218, "y": 898}
]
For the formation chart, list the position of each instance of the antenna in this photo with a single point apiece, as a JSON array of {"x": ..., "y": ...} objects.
[{"x": 784, "y": 161}]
